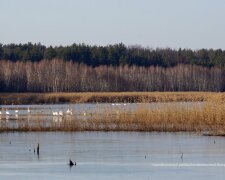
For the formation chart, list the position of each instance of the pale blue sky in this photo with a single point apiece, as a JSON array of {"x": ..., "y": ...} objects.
[{"x": 191, "y": 24}]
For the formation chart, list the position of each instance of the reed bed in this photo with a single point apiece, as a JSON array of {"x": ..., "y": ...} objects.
[
  {"x": 106, "y": 97},
  {"x": 205, "y": 117}
]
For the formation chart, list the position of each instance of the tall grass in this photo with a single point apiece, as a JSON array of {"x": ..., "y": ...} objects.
[
  {"x": 204, "y": 117},
  {"x": 106, "y": 97}
]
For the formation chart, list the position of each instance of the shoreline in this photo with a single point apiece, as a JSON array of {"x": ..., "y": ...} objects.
[
  {"x": 206, "y": 119},
  {"x": 106, "y": 97}
]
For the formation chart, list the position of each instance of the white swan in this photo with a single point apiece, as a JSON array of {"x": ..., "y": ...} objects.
[
  {"x": 55, "y": 113},
  {"x": 69, "y": 111},
  {"x": 28, "y": 110},
  {"x": 60, "y": 113},
  {"x": 6, "y": 112}
]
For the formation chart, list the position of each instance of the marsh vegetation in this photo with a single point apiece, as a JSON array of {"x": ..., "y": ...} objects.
[
  {"x": 204, "y": 117},
  {"x": 107, "y": 97}
]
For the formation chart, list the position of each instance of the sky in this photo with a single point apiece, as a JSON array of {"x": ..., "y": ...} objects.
[{"x": 193, "y": 24}]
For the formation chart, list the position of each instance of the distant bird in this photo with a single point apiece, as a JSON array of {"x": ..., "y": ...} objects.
[
  {"x": 0, "y": 112},
  {"x": 84, "y": 113},
  {"x": 145, "y": 156},
  {"x": 55, "y": 113},
  {"x": 38, "y": 149},
  {"x": 69, "y": 111},
  {"x": 214, "y": 141},
  {"x": 60, "y": 113},
  {"x": 6, "y": 112},
  {"x": 182, "y": 155},
  {"x": 71, "y": 163},
  {"x": 28, "y": 109},
  {"x": 16, "y": 113}
]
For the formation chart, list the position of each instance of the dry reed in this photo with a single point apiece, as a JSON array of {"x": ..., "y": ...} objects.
[
  {"x": 106, "y": 97},
  {"x": 204, "y": 117}
]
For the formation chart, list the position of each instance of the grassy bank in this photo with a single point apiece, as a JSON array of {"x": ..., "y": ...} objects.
[{"x": 107, "y": 97}]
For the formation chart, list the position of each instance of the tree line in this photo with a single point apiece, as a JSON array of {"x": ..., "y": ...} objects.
[
  {"x": 67, "y": 76},
  {"x": 113, "y": 55}
]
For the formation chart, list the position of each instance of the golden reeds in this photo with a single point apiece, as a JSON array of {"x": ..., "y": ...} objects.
[
  {"x": 204, "y": 117},
  {"x": 107, "y": 97}
]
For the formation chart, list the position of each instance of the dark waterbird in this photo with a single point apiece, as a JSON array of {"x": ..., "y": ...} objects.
[
  {"x": 182, "y": 155},
  {"x": 38, "y": 149},
  {"x": 71, "y": 163}
]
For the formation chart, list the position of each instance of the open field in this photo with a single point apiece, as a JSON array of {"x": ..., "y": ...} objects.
[{"x": 107, "y": 97}]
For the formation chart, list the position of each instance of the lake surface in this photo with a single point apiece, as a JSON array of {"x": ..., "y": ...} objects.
[
  {"x": 53, "y": 116},
  {"x": 111, "y": 155},
  {"x": 81, "y": 111}
]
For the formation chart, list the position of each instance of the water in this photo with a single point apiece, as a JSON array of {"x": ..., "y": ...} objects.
[
  {"x": 16, "y": 117},
  {"x": 8, "y": 112},
  {"x": 111, "y": 155}
]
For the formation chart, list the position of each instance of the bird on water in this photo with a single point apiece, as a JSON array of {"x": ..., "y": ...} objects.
[
  {"x": 71, "y": 163},
  {"x": 69, "y": 112},
  {"x": 6, "y": 112},
  {"x": 182, "y": 155},
  {"x": 28, "y": 110},
  {"x": 38, "y": 149}
]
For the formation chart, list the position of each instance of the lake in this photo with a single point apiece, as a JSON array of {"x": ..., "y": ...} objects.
[
  {"x": 13, "y": 116},
  {"x": 111, "y": 155}
]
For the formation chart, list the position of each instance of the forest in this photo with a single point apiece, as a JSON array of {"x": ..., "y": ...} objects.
[
  {"x": 67, "y": 76},
  {"x": 113, "y": 68},
  {"x": 115, "y": 55}
]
